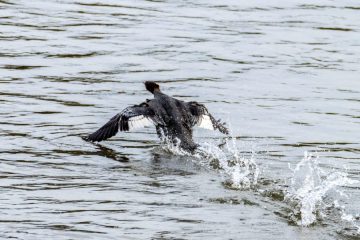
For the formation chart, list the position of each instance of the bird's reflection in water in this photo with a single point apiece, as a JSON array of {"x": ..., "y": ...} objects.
[
  {"x": 164, "y": 163},
  {"x": 111, "y": 154}
]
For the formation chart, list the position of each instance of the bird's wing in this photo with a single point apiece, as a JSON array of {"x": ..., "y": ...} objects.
[
  {"x": 130, "y": 118},
  {"x": 200, "y": 116}
]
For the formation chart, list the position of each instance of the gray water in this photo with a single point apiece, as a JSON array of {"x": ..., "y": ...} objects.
[{"x": 283, "y": 74}]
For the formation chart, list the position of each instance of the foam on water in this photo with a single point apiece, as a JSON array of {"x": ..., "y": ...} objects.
[{"x": 310, "y": 190}]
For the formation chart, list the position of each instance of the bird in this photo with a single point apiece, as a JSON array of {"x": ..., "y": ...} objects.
[{"x": 173, "y": 119}]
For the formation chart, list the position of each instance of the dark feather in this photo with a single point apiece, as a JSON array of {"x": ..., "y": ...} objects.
[
  {"x": 197, "y": 111},
  {"x": 121, "y": 122},
  {"x": 110, "y": 129}
]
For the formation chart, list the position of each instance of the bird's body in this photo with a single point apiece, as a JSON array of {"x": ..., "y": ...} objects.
[{"x": 173, "y": 119}]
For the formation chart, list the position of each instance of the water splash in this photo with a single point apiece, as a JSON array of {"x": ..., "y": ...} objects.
[
  {"x": 238, "y": 170},
  {"x": 310, "y": 186},
  {"x": 173, "y": 147}
]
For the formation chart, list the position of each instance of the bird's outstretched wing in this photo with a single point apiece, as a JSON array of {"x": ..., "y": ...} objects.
[
  {"x": 130, "y": 118},
  {"x": 200, "y": 116}
]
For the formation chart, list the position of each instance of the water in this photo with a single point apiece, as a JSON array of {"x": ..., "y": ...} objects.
[
  {"x": 285, "y": 75},
  {"x": 310, "y": 186}
]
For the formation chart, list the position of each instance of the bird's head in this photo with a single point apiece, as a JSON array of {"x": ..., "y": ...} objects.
[{"x": 152, "y": 86}]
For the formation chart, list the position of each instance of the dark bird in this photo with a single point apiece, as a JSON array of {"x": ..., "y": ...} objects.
[{"x": 173, "y": 119}]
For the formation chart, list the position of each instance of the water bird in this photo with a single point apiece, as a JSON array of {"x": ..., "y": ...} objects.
[{"x": 174, "y": 119}]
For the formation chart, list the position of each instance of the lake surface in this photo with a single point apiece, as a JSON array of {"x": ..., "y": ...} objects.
[{"x": 285, "y": 75}]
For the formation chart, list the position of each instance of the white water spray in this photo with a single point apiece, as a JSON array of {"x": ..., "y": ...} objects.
[
  {"x": 310, "y": 186},
  {"x": 240, "y": 172}
]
